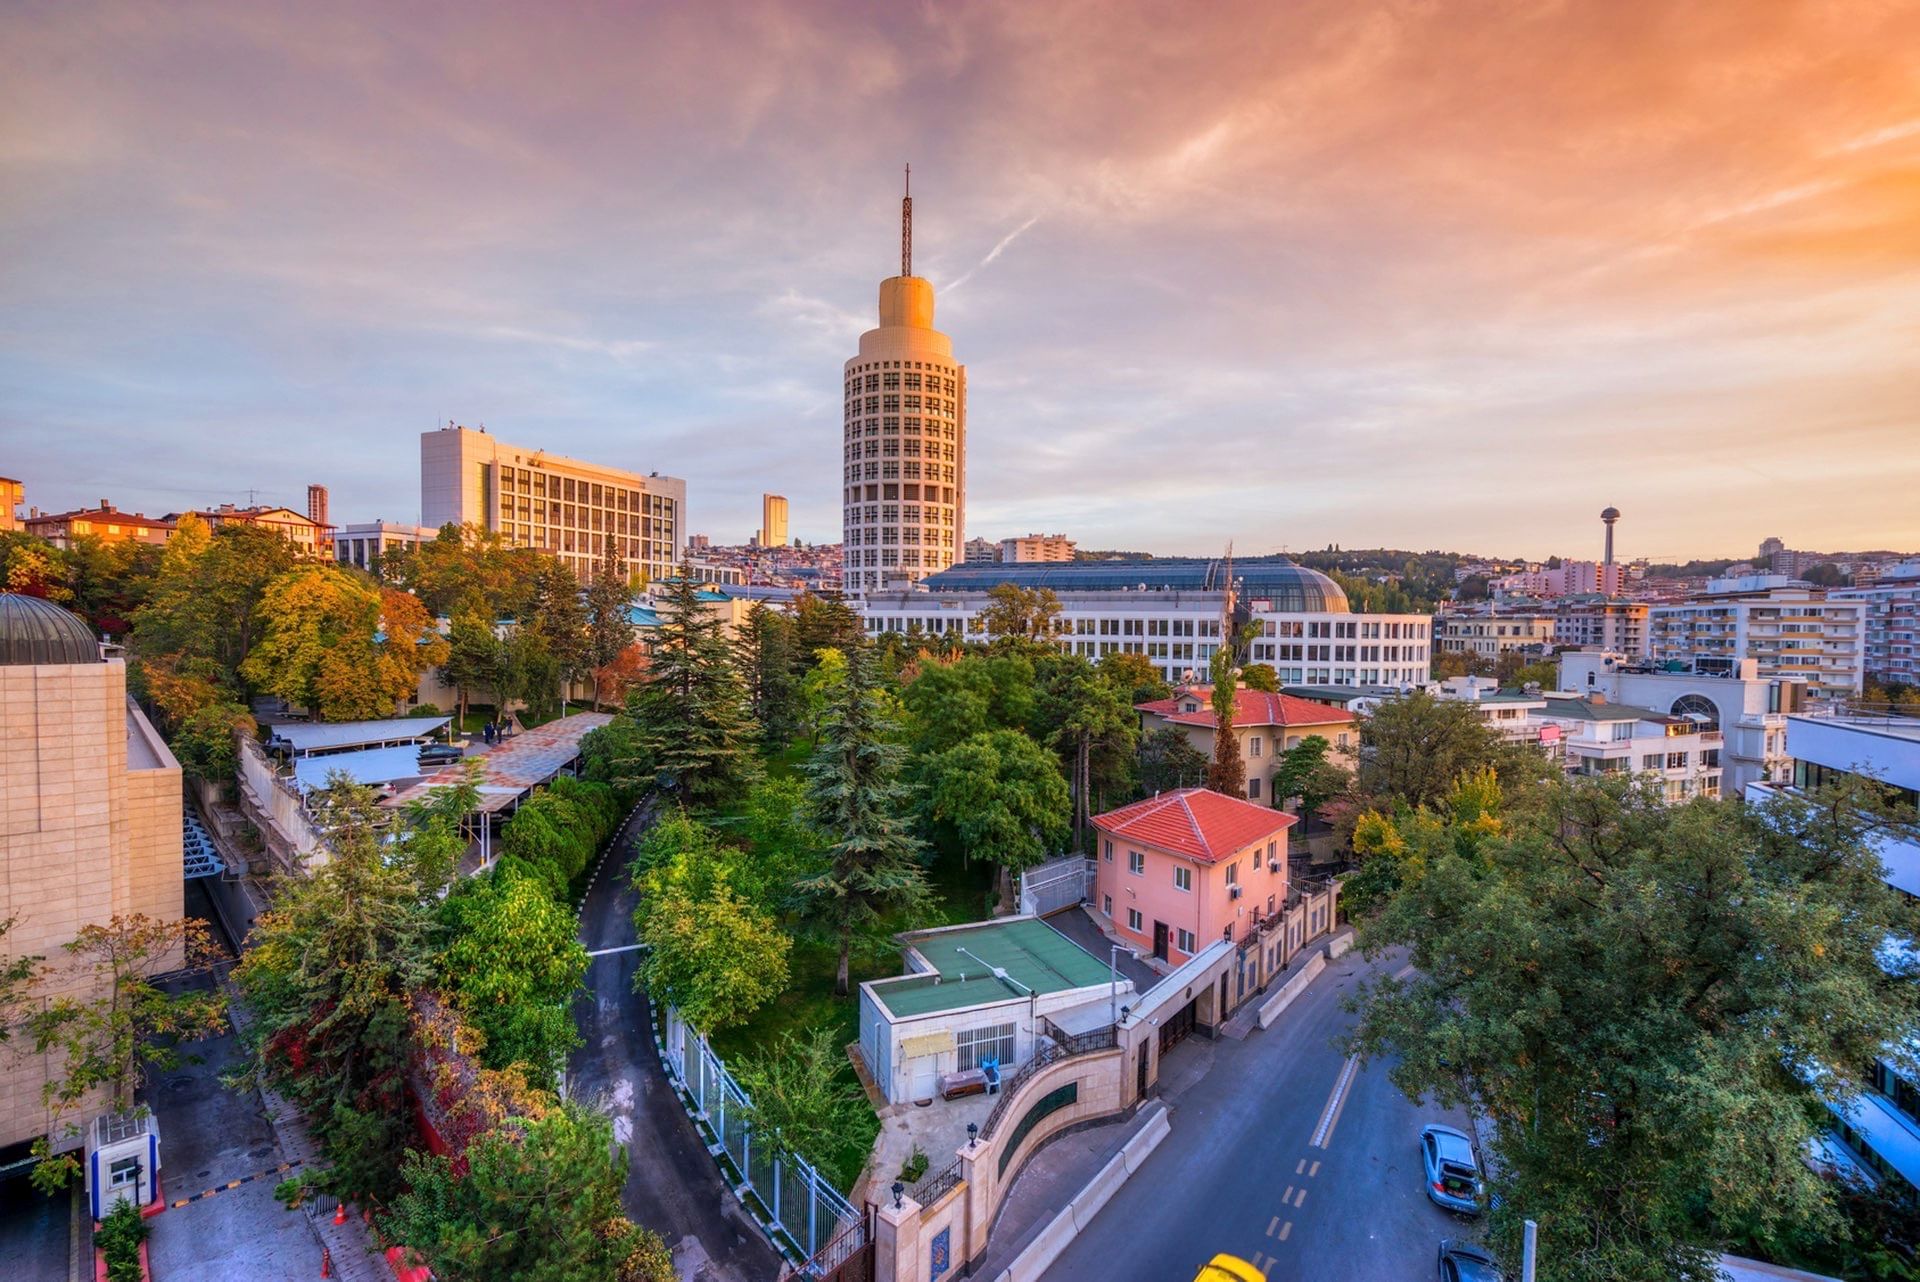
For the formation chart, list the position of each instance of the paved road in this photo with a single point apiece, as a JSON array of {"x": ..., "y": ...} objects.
[
  {"x": 673, "y": 1186},
  {"x": 1242, "y": 1171}
]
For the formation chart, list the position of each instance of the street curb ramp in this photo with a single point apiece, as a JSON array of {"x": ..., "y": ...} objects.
[
  {"x": 1060, "y": 1232},
  {"x": 1292, "y": 989}
]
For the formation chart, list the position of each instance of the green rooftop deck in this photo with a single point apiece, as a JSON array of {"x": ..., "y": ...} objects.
[{"x": 1036, "y": 957}]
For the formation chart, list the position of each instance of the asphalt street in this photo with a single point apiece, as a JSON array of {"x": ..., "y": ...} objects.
[
  {"x": 1286, "y": 1154},
  {"x": 673, "y": 1185}
]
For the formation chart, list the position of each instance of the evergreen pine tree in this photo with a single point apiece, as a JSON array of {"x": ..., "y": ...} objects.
[
  {"x": 1226, "y": 773},
  {"x": 858, "y": 800},
  {"x": 691, "y": 711},
  {"x": 767, "y": 661},
  {"x": 609, "y": 631}
]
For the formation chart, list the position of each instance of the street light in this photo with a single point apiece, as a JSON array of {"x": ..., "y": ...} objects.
[
  {"x": 1113, "y": 980},
  {"x": 898, "y": 1189},
  {"x": 973, "y": 1134}
]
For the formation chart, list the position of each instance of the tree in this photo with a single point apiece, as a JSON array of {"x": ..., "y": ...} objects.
[
  {"x": 773, "y": 687},
  {"x": 468, "y": 570},
  {"x": 472, "y": 655},
  {"x": 710, "y": 952},
  {"x": 1168, "y": 760},
  {"x": 608, "y": 621},
  {"x": 1260, "y": 676},
  {"x": 512, "y": 963},
  {"x": 317, "y": 648},
  {"x": 120, "y": 1024},
  {"x": 331, "y": 968},
  {"x": 949, "y": 702},
  {"x": 1018, "y": 614},
  {"x": 1086, "y": 714},
  {"x": 205, "y": 741},
  {"x": 18, "y": 975},
  {"x": 535, "y": 1198},
  {"x": 1827, "y": 575},
  {"x": 1413, "y": 746},
  {"x": 1651, "y": 1002},
  {"x": 691, "y": 711},
  {"x": 805, "y": 1099},
  {"x": 854, "y": 788},
  {"x": 1136, "y": 676},
  {"x": 998, "y": 796},
  {"x": 820, "y": 688},
  {"x": 784, "y": 846},
  {"x": 1304, "y": 772},
  {"x": 1227, "y": 772},
  {"x": 823, "y": 621},
  {"x": 558, "y": 617}
]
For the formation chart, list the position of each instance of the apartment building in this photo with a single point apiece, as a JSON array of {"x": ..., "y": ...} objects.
[
  {"x": 363, "y": 545},
  {"x": 1492, "y": 633},
  {"x": 309, "y": 537},
  {"x": 1170, "y": 610},
  {"x": 562, "y": 506},
  {"x": 981, "y": 552},
  {"x": 1608, "y": 578},
  {"x": 773, "y": 521},
  {"x": 1037, "y": 547},
  {"x": 1596, "y": 623},
  {"x": 1264, "y": 726},
  {"x": 1600, "y": 737},
  {"x": 1891, "y": 616},
  {"x": 1791, "y": 629},
  {"x": 106, "y": 523},
  {"x": 13, "y": 495}
]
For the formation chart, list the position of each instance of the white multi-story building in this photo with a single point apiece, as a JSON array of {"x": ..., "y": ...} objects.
[
  {"x": 1596, "y": 623},
  {"x": 1169, "y": 609},
  {"x": 362, "y": 545},
  {"x": 1892, "y": 622},
  {"x": 1492, "y": 633},
  {"x": 562, "y": 506},
  {"x": 1600, "y": 737},
  {"x": 1037, "y": 547},
  {"x": 904, "y": 451},
  {"x": 1877, "y": 1137},
  {"x": 1743, "y": 713},
  {"x": 1792, "y": 629}
]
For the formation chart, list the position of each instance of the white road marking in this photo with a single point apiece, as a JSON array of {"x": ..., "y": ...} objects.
[
  {"x": 1404, "y": 971},
  {"x": 608, "y": 952},
  {"x": 1286, "y": 1229},
  {"x": 1323, "y": 1133},
  {"x": 1315, "y": 1171}
]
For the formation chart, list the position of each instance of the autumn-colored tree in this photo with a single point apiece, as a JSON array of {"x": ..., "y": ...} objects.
[
  {"x": 317, "y": 648},
  {"x": 616, "y": 680}
]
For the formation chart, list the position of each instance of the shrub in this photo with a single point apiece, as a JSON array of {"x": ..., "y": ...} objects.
[{"x": 120, "y": 1236}]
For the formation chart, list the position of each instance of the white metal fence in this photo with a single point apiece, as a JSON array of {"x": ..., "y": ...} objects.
[
  {"x": 1057, "y": 884},
  {"x": 797, "y": 1203}
]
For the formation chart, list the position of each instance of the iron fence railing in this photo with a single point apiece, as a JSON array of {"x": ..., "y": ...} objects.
[
  {"x": 852, "y": 1239},
  {"x": 1058, "y": 1049},
  {"x": 931, "y": 1188}
]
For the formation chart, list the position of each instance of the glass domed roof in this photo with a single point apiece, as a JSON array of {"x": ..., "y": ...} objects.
[{"x": 1278, "y": 584}]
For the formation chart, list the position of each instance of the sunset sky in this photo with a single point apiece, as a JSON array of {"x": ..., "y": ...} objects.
[{"x": 1429, "y": 275}]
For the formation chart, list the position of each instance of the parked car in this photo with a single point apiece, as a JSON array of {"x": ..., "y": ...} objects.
[
  {"x": 439, "y": 754},
  {"x": 1465, "y": 1262},
  {"x": 1453, "y": 1171},
  {"x": 1229, "y": 1268}
]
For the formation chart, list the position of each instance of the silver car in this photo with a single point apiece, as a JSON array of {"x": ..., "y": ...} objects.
[{"x": 1452, "y": 1169}]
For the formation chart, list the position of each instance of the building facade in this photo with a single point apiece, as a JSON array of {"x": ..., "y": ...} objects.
[
  {"x": 1891, "y": 617},
  {"x": 904, "y": 449},
  {"x": 1599, "y": 737},
  {"x": 1748, "y": 714},
  {"x": 364, "y": 544},
  {"x": 1566, "y": 579},
  {"x": 1037, "y": 547},
  {"x": 1170, "y": 610},
  {"x": 569, "y": 509},
  {"x": 1264, "y": 727},
  {"x": 317, "y": 506},
  {"x": 1790, "y": 629},
  {"x": 1183, "y": 870},
  {"x": 106, "y": 523},
  {"x": 13, "y": 496},
  {"x": 1494, "y": 633},
  {"x": 308, "y": 536},
  {"x": 91, "y": 827},
  {"x": 981, "y": 552},
  {"x": 1595, "y": 623},
  {"x": 773, "y": 521}
]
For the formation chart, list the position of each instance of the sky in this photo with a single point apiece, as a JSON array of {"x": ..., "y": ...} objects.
[{"x": 1413, "y": 274}]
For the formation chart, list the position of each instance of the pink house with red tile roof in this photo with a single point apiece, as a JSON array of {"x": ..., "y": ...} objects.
[
  {"x": 1266, "y": 725},
  {"x": 1178, "y": 871}
]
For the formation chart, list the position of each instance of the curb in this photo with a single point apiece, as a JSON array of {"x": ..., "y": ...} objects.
[
  {"x": 1270, "y": 1010},
  {"x": 1038, "y": 1255}
]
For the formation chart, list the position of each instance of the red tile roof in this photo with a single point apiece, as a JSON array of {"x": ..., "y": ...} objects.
[
  {"x": 1251, "y": 708},
  {"x": 1196, "y": 822}
]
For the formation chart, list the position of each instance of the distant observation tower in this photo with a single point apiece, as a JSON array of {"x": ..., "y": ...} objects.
[
  {"x": 904, "y": 449},
  {"x": 1609, "y": 516}
]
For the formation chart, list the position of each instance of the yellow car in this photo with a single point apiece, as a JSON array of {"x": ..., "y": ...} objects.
[{"x": 1229, "y": 1268}]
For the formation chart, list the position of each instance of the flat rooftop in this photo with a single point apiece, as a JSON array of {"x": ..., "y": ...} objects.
[
  {"x": 516, "y": 767},
  {"x": 1036, "y": 958}
]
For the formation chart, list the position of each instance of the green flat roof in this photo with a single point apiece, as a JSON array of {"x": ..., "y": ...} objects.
[
  {"x": 1036, "y": 957},
  {"x": 1585, "y": 710}
]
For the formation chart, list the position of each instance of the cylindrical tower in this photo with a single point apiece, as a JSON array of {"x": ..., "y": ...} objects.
[
  {"x": 1609, "y": 516},
  {"x": 904, "y": 455}
]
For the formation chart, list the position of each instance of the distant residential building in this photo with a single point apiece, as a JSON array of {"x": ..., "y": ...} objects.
[
  {"x": 699, "y": 541},
  {"x": 1600, "y": 737},
  {"x": 93, "y": 827},
  {"x": 712, "y": 570},
  {"x": 1569, "y": 578},
  {"x": 1037, "y": 547},
  {"x": 904, "y": 448},
  {"x": 1792, "y": 629},
  {"x": 1170, "y": 609},
  {"x": 13, "y": 495},
  {"x": 1892, "y": 620},
  {"x": 317, "y": 506},
  {"x": 982, "y": 552},
  {"x": 106, "y": 523},
  {"x": 773, "y": 521},
  {"x": 364, "y": 544},
  {"x": 1264, "y": 726},
  {"x": 562, "y": 506},
  {"x": 1491, "y": 634},
  {"x": 1599, "y": 624},
  {"x": 1739, "y": 709},
  {"x": 1514, "y": 715},
  {"x": 308, "y": 536},
  {"x": 1181, "y": 870}
]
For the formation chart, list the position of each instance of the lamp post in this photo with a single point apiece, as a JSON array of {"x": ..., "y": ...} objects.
[{"x": 1113, "y": 982}]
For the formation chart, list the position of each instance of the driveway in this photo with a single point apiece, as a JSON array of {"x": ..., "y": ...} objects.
[{"x": 673, "y": 1185}]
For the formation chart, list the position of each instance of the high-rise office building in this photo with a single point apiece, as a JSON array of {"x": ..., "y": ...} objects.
[
  {"x": 773, "y": 520},
  {"x": 904, "y": 456},
  {"x": 563, "y": 506},
  {"x": 317, "y": 504}
]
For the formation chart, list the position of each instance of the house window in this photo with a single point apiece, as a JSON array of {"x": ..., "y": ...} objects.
[
  {"x": 1184, "y": 941},
  {"x": 1253, "y": 788},
  {"x": 1253, "y": 745},
  {"x": 1233, "y": 873},
  {"x": 123, "y": 1172},
  {"x": 1182, "y": 877},
  {"x": 1133, "y": 919},
  {"x": 1107, "y": 853},
  {"x": 1106, "y": 905},
  {"x": 1676, "y": 761},
  {"x": 1136, "y": 862},
  {"x": 994, "y": 1042}
]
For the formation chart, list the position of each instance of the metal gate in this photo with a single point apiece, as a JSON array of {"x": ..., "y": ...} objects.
[
  {"x": 1178, "y": 1025},
  {"x": 1056, "y": 885},
  {"x": 848, "y": 1257}
]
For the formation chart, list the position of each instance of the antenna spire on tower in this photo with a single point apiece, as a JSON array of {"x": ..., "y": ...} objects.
[{"x": 906, "y": 227}]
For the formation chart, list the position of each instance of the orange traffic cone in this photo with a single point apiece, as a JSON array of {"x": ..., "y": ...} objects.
[
  {"x": 340, "y": 1213},
  {"x": 326, "y": 1262}
]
